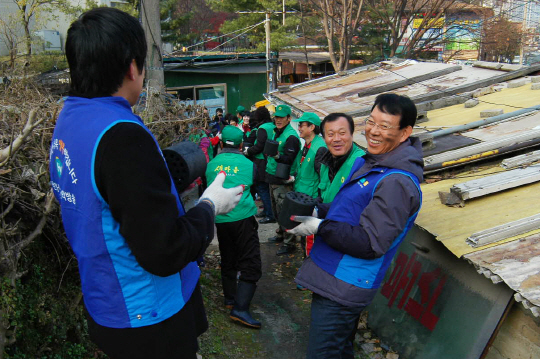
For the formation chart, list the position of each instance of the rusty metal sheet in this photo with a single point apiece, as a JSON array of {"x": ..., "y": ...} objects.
[
  {"x": 340, "y": 94},
  {"x": 499, "y": 130},
  {"x": 517, "y": 263}
]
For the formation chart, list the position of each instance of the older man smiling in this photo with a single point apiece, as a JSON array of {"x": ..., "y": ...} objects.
[{"x": 359, "y": 232}]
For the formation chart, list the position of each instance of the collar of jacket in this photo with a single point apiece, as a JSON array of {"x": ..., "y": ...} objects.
[
  {"x": 278, "y": 131},
  {"x": 230, "y": 150}
]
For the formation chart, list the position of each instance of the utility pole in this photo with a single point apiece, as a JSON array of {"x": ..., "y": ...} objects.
[
  {"x": 524, "y": 36},
  {"x": 154, "y": 59},
  {"x": 269, "y": 75},
  {"x": 267, "y": 33},
  {"x": 283, "y": 12}
]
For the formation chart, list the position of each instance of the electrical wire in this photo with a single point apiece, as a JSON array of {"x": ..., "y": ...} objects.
[
  {"x": 155, "y": 44},
  {"x": 213, "y": 38},
  {"x": 205, "y": 52}
]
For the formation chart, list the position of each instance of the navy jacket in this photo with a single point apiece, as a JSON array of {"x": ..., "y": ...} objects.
[{"x": 395, "y": 199}]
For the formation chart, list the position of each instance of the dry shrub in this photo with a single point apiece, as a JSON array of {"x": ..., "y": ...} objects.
[{"x": 41, "y": 314}]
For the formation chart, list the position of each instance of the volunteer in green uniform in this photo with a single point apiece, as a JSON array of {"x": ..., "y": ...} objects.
[
  {"x": 337, "y": 130},
  {"x": 264, "y": 128},
  {"x": 307, "y": 178},
  {"x": 237, "y": 230},
  {"x": 240, "y": 114},
  {"x": 308, "y": 163},
  {"x": 288, "y": 148}
]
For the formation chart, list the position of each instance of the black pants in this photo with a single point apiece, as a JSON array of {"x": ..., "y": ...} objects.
[
  {"x": 240, "y": 249},
  {"x": 173, "y": 338}
]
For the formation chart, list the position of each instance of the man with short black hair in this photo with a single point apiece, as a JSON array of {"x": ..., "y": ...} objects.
[
  {"x": 135, "y": 244},
  {"x": 237, "y": 230},
  {"x": 288, "y": 148},
  {"x": 358, "y": 234},
  {"x": 335, "y": 164}
]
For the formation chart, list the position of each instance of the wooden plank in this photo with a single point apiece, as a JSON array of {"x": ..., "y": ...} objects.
[
  {"x": 496, "y": 183},
  {"x": 521, "y": 160}
]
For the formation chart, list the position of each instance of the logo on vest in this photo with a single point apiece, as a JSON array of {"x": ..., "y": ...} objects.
[
  {"x": 363, "y": 182},
  {"x": 59, "y": 166}
]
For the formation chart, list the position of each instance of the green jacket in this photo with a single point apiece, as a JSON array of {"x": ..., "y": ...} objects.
[
  {"x": 330, "y": 189},
  {"x": 239, "y": 171},
  {"x": 281, "y": 139},
  {"x": 307, "y": 180}
]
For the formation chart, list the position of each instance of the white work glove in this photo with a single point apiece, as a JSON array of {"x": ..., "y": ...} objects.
[
  {"x": 246, "y": 151},
  {"x": 223, "y": 200},
  {"x": 308, "y": 225},
  {"x": 276, "y": 157},
  {"x": 290, "y": 180}
]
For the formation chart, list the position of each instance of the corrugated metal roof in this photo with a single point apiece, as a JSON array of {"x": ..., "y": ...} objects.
[
  {"x": 517, "y": 263},
  {"x": 340, "y": 93}
]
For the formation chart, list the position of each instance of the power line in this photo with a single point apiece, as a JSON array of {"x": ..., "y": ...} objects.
[{"x": 248, "y": 29}]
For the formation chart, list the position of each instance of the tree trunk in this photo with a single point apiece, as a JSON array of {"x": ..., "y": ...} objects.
[
  {"x": 152, "y": 28},
  {"x": 27, "y": 35}
]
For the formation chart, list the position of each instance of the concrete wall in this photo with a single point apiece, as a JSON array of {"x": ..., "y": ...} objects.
[{"x": 518, "y": 337}]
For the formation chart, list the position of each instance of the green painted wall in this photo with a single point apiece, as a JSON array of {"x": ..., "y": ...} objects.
[
  {"x": 244, "y": 89},
  {"x": 251, "y": 88}
]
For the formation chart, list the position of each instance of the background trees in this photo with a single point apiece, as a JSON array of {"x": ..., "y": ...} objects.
[{"x": 501, "y": 40}]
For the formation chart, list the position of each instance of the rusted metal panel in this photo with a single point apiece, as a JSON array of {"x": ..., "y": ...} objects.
[
  {"x": 340, "y": 94},
  {"x": 518, "y": 264}
]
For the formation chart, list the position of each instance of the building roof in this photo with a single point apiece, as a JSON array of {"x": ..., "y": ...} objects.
[
  {"x": 314, "y": 58},
  {"x": 465, "y": 155}
]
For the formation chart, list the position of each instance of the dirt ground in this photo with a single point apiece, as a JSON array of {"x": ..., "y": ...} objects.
[{"x": 282, "y": 309}]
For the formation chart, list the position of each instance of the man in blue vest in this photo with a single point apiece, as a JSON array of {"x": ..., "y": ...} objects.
[
  {"x": 136, "y": 246},
  {"x": 358, "y": 234}
]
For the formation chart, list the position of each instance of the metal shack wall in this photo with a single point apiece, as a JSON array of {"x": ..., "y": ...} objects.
[
  {"x": 242, "y": 89},
  {"x": 434, "y": 305}
]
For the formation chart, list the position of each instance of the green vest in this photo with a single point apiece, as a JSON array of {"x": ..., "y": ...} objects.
[
  {"x": 307, "y": 180},
  {"x": 272, "y": 164},
  {"x": 269, "y": 128},
  {"x": 329, "y": 190},
  {"x": 239, "y": 171}
]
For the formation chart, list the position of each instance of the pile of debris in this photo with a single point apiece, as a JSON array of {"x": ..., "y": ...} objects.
[{"x": 40, "y": 311}]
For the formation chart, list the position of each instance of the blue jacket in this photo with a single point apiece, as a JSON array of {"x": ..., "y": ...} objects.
[
  {"x": 118, "y": 292},
  {"x": 364, "y": 226}
]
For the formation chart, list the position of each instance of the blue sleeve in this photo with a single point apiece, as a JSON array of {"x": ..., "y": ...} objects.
[{"x": 395, "y": 200}]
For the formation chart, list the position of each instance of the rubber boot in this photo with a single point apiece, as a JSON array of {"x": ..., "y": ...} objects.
[
  {"x": 229, "y": 289},
  {"x": 240, "y": 312}
]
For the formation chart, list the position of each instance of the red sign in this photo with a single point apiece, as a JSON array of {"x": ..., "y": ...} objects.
[{"x": 406, "y": 274}]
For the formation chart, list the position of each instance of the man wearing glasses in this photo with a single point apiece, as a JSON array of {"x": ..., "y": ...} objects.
[{"x": 358, "y": 234}]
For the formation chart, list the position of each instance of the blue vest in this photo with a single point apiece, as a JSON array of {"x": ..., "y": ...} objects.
[
  {"x": 118, "y": 292},
  {"x": 347, "y": 207}
]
